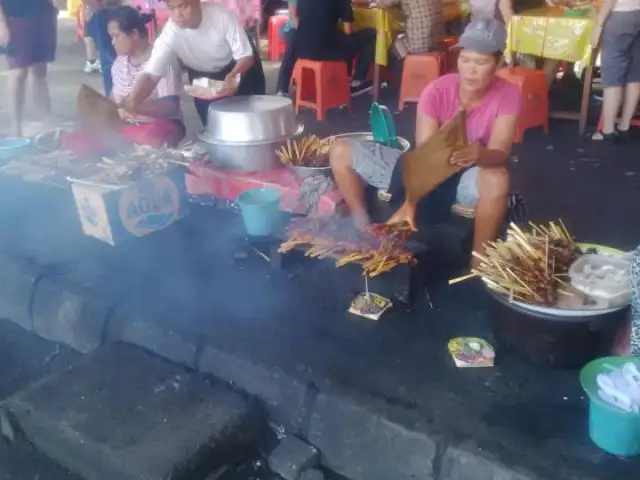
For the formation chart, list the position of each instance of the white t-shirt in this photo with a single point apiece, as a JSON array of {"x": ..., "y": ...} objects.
[{"x": 209, "y": 48}]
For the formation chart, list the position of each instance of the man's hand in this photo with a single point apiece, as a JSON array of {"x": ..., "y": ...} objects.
[
  {"x": 466, "y": 157},
  {"x": 5, "y": 34},
  {"x": 406, "y": 214}
]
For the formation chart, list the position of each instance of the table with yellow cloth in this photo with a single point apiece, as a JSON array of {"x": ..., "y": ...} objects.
[
  {"x": 388, "y": 22},
  {"x": 548, "y": 32}
]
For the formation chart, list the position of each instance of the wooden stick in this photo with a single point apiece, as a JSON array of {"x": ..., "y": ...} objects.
[{"x": 463, "y": 278}]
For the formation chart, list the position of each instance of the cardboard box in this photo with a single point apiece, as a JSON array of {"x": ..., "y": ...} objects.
[{"x": 144, "y": 207}]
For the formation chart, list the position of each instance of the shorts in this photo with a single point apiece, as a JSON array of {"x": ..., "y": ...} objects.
[
  {"x": 33, "y": 40},
  {"x": 621, "y": 49},
  {"x": 87, "y": 17},
  {"x": 375, "y": 163}
]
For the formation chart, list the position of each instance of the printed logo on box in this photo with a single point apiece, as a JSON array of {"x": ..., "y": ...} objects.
[
  {"x": 149, "y": 206},
  {"x": 89, "y": 213}
]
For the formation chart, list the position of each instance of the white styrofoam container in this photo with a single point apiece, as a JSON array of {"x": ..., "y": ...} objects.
[{"x": 603, "y": 277}]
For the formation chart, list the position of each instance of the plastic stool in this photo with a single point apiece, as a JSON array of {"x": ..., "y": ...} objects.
[
  {"x": 635, "y": 122},
  {"x": 451, "y": 56},
  {"x": 419, "y": 70},
  {"x": 535, "y": 98},
  {"x": 321, "y": 85},
  {"x": 277, "y": 45},
  {"x": 80, "y": 23}
]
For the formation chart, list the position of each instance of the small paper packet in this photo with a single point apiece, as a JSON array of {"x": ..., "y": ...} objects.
[
  {"x": 370, "y": 305},
  {"x": 471, "y": 352}
]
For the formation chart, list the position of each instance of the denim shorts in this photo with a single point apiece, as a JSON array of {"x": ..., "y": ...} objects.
[
  {"x": 621, "y": 49},
  {"x": 374, "y": 163}
]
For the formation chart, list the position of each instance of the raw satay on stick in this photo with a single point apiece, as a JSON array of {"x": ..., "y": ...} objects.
[{"x": 379, "y": 249}]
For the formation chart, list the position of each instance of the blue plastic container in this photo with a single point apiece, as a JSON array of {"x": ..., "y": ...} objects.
[
  {"x": 12, "y": 146},
  {"x": 260, "y": 208},
  {"x": 613, "y": 430}
]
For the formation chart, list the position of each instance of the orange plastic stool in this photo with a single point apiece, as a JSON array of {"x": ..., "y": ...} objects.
[
  {"x": 418, "y": 71},
  {"x": 451, "y": 56},
  {"x": 321, "y": 86},
  {"x": 535, "y": 98},
  {"x": 80, "y": 22},
  {"x": 635, "y": 122},
  {"x": 276, "y": 45}
]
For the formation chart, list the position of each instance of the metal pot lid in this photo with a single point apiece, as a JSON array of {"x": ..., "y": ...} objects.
[{"x": 251, "y": 119}]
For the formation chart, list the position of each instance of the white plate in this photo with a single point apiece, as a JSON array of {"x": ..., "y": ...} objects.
[{"x": 572, "y": 312}]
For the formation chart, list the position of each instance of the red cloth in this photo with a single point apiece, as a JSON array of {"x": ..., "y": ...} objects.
[
  {"x": 206, "y": 180},
  {"x": 154, "y": 134}
]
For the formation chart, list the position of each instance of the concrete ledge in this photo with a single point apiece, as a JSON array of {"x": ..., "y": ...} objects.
[
  {"x": 465, "y": 462},
  {"x": 17, "y": 284},
  {"x": 363, "y": 446},
  {"x": 69, "y": 313},
  {"x": 124, "y": 414},
  {"x": 282, "y": 395},
  {"x": 133, "y": 329}
]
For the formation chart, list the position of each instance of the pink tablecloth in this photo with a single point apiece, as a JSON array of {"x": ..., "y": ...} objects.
[{"x": 205, "y": 179}]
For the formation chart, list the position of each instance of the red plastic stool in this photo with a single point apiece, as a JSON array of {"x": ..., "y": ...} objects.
[
  {"x": 277, "y": 45},
  {"x": 155, "y": 26},
  {"x": 535, "y": 98},
  {"x": 321, "y": 86},
  {"x": 418, "y": 71},
  {"x": 451, "y": 56}
]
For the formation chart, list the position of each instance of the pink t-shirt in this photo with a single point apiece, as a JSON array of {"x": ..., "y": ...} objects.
[{"x": 440, "y": 101}]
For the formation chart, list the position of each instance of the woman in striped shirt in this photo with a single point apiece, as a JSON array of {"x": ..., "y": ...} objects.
[{"x": 158, "y": 119}]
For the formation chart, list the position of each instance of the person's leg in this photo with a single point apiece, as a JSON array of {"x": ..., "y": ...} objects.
[
  {"x": 202, "y": 107},
  {"x": 632, "y": 87},
  {"x": 40, "y": 93},
  {"x": 493, "y": 196},
  {"x": 617, "y": 41},
  {"x": 287, "y": 65},
  {"x": 91, "y": 64},
  {"x": 356, "y": 164},
  {"x": 365, "y": 46},
  {"x": 17, "y": 81},
  {"x": 348, "y": 181},
  {"x": 19, "y": 59}
]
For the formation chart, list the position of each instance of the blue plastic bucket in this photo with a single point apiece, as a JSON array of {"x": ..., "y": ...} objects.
[
  {"x": 12, "y": 146},
  {"x": 260, "y": 208},
  {"x": 613, "y": 430}
]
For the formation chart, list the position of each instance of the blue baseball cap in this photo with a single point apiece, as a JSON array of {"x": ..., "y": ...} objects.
[{"x": 486, "y": 35}]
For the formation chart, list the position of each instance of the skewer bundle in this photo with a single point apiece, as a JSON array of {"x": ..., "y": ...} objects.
[
  {"x": 528, "y": 265},
  {"x": 379, "y": 249},
  {"x": 309, "y": 151}
]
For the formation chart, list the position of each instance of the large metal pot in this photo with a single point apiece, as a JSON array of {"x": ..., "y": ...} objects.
[
  {"x": 246, "y": 157},
  {"x": 251, "y": 119},
  {"x": 403, "y": 143}
]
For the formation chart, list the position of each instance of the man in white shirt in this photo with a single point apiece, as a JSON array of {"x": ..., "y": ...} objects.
[{"x": 210, "y": 42}]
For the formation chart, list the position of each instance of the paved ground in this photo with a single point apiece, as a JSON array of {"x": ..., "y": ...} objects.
[{"x": 296, "y": 322}]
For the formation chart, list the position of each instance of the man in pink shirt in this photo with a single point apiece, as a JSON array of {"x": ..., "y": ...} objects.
[{"x": 492, "y": 106}]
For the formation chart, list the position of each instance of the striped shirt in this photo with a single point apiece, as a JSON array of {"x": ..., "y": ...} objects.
[
  {"x": 124, "y": 75},
  {"x": 425, "y": 23}
]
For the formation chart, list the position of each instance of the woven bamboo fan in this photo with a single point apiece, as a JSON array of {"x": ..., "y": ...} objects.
[
  {"x": 427, "y": 167},
  {"x": 96, "y": 113}
]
